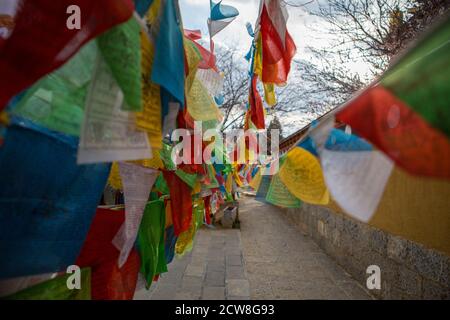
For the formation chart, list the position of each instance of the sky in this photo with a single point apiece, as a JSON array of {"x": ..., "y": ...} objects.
[{"x": 305, "y": 28}]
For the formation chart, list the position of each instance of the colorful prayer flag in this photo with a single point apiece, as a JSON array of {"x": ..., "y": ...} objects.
[{"x": 48, "y": 201}]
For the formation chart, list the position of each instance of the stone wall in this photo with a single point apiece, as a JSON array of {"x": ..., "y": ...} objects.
[{"x": 408, "y": 269}]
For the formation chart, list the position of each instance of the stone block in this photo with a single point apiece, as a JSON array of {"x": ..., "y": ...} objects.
[
  {"x": 215, "y": 279},
  {"x": 238, "y": 288},
  {"x": 235, "y": 272},
  {"x": 213, "y": 293},
  {"x": 233, "y": 260},
  {"x": 214, "y": 265}
]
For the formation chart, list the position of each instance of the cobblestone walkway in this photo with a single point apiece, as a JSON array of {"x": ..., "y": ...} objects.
[
  {"x": 282, "y": 263},
  {"x": 267, "y": 259}
]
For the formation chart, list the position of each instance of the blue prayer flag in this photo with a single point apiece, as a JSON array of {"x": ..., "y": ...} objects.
[{"x": 47, "y": 201}]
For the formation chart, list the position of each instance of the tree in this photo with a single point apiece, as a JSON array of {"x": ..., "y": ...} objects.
[
  {"x": 235, "y": 88},
  {"x": 371, "y": 32}
]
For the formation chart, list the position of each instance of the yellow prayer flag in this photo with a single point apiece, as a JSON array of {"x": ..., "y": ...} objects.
[
  {"x": 200, "y": 104},
  {"x": 258, "y": 58},
  {"x": 229, "y": 183},
  {"x": 237, "y": 178},
  {"x": 302, "y": 175},
  {"x": 269, "y": 94},
  {"x": 197, "y": 187},
  {"x": 193, "y": 58},
  {"x": 169, "y": 221},
  {"x": 154, "y": 13},
  {"x": 149, "y": 119},
  {"x": 114, "y": 179},
  {"x": 256, "y": 181}
]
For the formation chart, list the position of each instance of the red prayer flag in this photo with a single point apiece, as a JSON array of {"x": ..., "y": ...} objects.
[
  {"x": 207, "y": 201},
  {"x": 276, "y": 56},
  {"x": 208, "y": 57},
  {"x": 108, "y": 281},
  {"x": 41, "y": 41},
  {"x": 256, "y": 106},
  {"x": 400, "y": 132},
  {"x": 181, "y": 202}
]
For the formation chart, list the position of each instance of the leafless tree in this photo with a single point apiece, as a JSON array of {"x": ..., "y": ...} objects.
[
  {"x": 235, "y": 89},
  {"x": 371, "y": 32}
]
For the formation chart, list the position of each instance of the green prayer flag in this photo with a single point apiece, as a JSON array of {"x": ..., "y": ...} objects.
[
  {"x": 57, "y": 289},
  {"x": 57, "y": 100},
  {"x": 161, "y": 184},
  {"x": 188, "y": 178},
  {"x": 214, "y": 183},
  {"x": 280, "y": 196},
  {"x": 422, "y": 78},
  {"x": 121, "y": 48},
  {"x": 166, "y": 157},
  {"x": 151, "y": 241}
]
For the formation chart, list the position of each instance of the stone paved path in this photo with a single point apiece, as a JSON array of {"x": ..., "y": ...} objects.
[{"x": 267, "y": 259}]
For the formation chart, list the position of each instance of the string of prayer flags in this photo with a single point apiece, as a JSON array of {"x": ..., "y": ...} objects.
[
  {"x": 220, "y": 17},
  {"x": 151, "y": 241},
  {"x": 406, "y": 114},
  {"x": 303, "y": 177},
  {"x": 108, "y": 281},
  {"x": 108, "y": 133},
  {"x": 57, "y": 289},
  {"x": 48, "y": 203},
  {"x": 51, "y": 43},
  {"x": 137, "y": 183}
]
